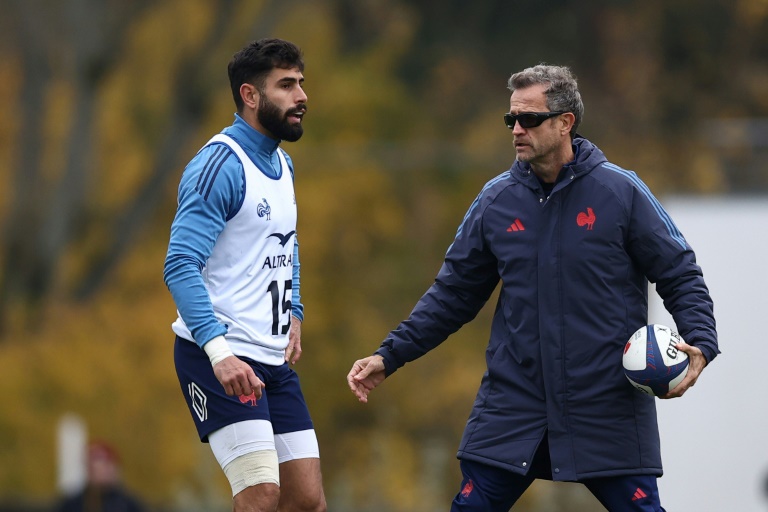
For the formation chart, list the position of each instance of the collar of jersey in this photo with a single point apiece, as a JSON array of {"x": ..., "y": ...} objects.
[{"x": 259, "y": 148}]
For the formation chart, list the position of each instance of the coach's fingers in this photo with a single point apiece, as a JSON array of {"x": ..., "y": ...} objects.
[
  {"x": 353, "y": 384},
  {"x": 361, "y": 392},
  {"x": 696, "y": 357},
  {"x": 357, "y": 387},
  {"x": 365, "y": 375},
  {"x": 680, "y": 389},
  {"x": 368, "y": 366},
  {"x": 696, "y": 363}
]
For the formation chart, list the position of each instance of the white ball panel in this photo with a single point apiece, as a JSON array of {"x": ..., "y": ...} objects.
[{"x": 634, "y": 355}]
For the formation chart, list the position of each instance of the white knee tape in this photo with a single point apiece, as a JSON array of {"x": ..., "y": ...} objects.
[{"x": 251, "y": 469}]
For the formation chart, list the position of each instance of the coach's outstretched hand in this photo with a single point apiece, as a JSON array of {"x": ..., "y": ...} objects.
[{"x": 365, "y": 375}]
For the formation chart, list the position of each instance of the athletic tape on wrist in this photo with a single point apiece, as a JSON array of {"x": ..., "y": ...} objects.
[{"x": 217, "y": 350}]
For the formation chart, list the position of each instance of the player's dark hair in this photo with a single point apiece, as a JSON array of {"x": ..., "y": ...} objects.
[
  {"x": 562, "y": 90},
  {"x": 253, "y": 63}
]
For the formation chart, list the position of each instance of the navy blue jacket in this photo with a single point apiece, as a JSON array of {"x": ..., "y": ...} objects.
[{"x": 574, "y": 269}]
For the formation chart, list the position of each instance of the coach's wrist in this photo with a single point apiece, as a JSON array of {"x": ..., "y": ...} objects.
[{"x": 217, "y": 350}]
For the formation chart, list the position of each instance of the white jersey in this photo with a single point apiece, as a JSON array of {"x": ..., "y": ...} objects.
[{"x": 249, "y": 273}]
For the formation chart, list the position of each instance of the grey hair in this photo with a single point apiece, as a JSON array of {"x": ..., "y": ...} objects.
[{"x": 562, "y": 93}]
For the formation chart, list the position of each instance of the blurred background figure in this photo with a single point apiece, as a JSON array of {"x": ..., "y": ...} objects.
[{"x": 103, "y": 491}]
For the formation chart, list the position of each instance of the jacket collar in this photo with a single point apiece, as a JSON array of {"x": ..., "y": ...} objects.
[{"x": 587, "y": 156}]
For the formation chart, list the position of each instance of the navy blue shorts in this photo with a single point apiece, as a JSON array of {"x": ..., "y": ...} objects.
[
  {"x": 487, "y": 488},
  {"x": 281, "y": 403}
]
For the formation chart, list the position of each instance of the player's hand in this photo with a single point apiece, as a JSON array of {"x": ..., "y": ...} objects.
[
  {"x": 696, "y": 363},
  {"x": 237, "y": 377},
  {"x": 365, "y": 375},
  {"x": 293, "y": 350}
]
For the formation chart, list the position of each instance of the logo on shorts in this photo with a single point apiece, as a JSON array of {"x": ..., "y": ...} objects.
[
  {"x": 244, "y": 399},
  {"x": 199, "y": 401},
  {"x": 467, "y": 490}
]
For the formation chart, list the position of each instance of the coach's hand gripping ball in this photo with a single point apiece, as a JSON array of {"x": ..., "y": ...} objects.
[{"x": 651, "y": 361}]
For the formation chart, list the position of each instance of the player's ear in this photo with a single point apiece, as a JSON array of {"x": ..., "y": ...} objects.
[{"x": 250, "y": 95}]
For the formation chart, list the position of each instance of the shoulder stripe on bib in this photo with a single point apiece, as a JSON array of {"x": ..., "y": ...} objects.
[{"x": 211, "y": 170}]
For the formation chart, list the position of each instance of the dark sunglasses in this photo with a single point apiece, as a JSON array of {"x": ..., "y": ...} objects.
[{"x": 528, "y": 119}]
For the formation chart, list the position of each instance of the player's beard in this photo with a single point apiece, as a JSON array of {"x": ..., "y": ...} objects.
[{"x": 273, "y": 119}]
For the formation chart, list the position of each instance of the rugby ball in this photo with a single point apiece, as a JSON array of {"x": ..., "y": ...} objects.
[{"x": 651, "y": 361}]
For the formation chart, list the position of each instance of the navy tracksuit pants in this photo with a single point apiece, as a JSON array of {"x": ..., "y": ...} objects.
[{"x": 490, "y": 489}]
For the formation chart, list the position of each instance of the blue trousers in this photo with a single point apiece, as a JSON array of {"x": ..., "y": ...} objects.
[{"x": 490, "y": 489}]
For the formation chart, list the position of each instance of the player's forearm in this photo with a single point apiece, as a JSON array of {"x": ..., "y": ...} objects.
[{"x": 297, "y": 308}]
